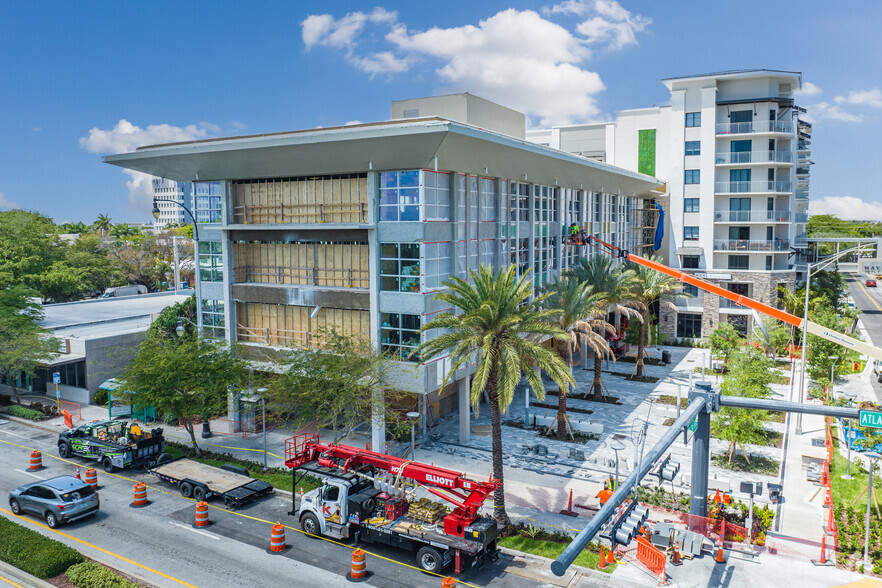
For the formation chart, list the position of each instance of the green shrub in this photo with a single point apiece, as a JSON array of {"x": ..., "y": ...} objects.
[
  {"x": 92, "y": 575},
  {"x": 100, "y": 397},
  {"x": 33, "y": 553},
  {"x": 25, "y": 413}
]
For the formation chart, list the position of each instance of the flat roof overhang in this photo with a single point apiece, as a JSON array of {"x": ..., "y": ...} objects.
[{"x": 378, "y": 147}]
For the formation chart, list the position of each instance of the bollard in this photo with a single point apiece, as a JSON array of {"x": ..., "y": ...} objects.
[
  {"x": 448, "y": 582},
  {"x": 140, "y": 495},
  {"x": 601, "y": 565},
  {"x": 36, "y": 461},
  {"x": 92, "y": 478},
  {"x": 277, "y": 539},
  {"x": 358, "y": 572},
  {"x": 202, "y": 516}
]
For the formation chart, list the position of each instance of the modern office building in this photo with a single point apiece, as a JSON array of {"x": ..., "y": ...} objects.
[
  {"x": 169, "y": 194},
  {"x": 735, "y": 154},
  {"x": 356, "y": 227}
]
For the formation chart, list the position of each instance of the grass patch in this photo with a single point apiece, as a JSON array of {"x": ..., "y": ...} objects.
[
  {"x": 649, "y": 379},
  {"x": 552, "y": 549},
  {"x": 846, "y": 491},
  {"x": 758, "y": 464},
  {"x": 776, "y": 416},
  {"x": 280, "y": 478},
  {"x": 668, "y": 422},
  {"x": 33, "y": 553},
  {"x": 672, "y": 400}
]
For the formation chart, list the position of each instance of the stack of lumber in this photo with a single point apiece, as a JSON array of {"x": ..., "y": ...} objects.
[{"x": 426, "y": 511}]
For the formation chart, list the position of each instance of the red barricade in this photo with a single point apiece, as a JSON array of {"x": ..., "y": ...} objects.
[
  {"x": 74, "y": 409},
  {"x": 68, "y": 420},
  {"x": 653, "y": 558}
]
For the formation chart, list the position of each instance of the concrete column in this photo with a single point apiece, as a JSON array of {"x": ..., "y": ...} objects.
[
  {"x": 378, "y": 422},
  {"x": 465, "y": 405},
  {"x": 423, "y": 409},
  {"x": 700, "y": 464}
]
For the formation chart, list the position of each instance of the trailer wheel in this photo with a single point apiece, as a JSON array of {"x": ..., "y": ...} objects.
[
  {"x": 64, "y": 449},
  {"x": 199, "y": 493},
  {"x": 186, "y": 489},
  {"x": 309, "y": 524},
  {"x": 429, "y": 559},
  {"x": 108, "y": 465}
]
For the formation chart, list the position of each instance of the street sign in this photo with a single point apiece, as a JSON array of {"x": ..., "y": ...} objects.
[
  {"x": 56, "y": 377},
  {"x": 871, "y": 418}
]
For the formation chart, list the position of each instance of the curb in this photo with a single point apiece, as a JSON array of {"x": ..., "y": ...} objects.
[
  {"x": 29, "y": 423},
  {"x": 22, "y": 576}
]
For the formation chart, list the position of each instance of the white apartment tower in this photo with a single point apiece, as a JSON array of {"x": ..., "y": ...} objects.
[
  {"x": 167, "y": 193},
  {"x": 734, "y": 154}
]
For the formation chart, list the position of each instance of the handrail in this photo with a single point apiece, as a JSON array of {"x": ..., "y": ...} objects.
[
  {"x": 754, "y": 157},
  {"x": 760, "y": 186},
  {"x": 748, "y": 245},
  {"x": 755, "y": 126},
  {"x": 747, "y": 216}
]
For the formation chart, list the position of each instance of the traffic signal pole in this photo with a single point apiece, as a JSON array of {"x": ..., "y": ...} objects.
[{"x": 700, "y": 453}]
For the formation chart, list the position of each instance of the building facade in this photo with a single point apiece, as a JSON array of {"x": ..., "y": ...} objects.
[
  {"x": 735, "y": 155},
  {"x": 167, "y": 193},
  {"x": 356, "y": 228}
]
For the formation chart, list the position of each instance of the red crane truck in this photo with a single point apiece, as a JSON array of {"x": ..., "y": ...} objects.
[{"x": 369, "y": 497}]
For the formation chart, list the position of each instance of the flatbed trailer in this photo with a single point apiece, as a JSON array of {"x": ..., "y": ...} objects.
[{"x": 201, "y": 481}]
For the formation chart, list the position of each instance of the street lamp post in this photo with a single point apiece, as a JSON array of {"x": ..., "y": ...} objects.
[
  {"x": 616, "y": 446},
  {"x": 195, "y": 248},
  {"x": 262, "y": 392},
  {"x": 847, "y": 475},
  {"x": 413, "y": 416},
  {"x": 872, "y": 456}
]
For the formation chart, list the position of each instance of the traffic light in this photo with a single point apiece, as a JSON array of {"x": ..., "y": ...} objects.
[
  {"x": 625, "y": 525},
  {"x": 667, "y": 469}
]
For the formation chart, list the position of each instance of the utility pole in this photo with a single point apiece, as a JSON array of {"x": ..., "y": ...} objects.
[{"x": 177, "y": 264}]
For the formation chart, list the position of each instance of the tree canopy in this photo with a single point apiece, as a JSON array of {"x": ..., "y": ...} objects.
[{"x": 24, "y": 343}]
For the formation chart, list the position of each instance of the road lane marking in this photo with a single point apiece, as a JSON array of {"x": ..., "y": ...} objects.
[
  {"x": 31, "y": 474},
  {"x": 101, "y": 549},
  {"x": 867, "y": 293},
  {"x": 188, "y": 528},
  {"x": 11, "y": 583}
]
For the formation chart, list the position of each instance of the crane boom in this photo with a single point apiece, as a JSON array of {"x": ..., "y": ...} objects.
[{"x": 790, "y": 319}]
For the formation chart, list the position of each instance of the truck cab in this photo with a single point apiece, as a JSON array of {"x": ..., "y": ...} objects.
[{"x": 331, "y": 508}]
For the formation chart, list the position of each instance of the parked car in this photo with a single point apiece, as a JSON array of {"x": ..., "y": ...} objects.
[
  {"x": 62, "y": 499},
  {"x": 871, "y": 282}
]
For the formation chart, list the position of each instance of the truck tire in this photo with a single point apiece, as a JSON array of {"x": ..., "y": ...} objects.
[
  {"x": 64, "y": 449},
  {"x": 108, "y": 465},
  {"x": 199, "y": 493},
  {"x": 429, "y": 559},
  {"x": 309, "y": 524},
  {"x": 186, "y": 489}
]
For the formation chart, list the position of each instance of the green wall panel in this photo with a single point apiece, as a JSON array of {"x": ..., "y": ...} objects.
[{"x": 646, "y": 152}]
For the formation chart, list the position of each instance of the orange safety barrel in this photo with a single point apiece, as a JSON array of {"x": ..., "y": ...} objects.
[
  {"x": 36, "y": 460},
  {"x": 448, "y": 582},
  {"x": 202, "y": 515},
  {"x": 358, "y": 572},
  {"x": 140, "y": 495},
  {"x": 277, "y": 538},
  {"x": 92, "y": 478}
]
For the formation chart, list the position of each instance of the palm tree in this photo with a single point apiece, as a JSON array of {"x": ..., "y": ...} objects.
[
  {"x": 103, "y": 224},
  {"x": 616, "y": 285},
  {"x": 580, "y": 310},
  {"x": 500, "y": 323},
  {"x": 651, "y": 285}
]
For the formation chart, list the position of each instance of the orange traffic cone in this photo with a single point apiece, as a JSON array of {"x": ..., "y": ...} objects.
[
  {"x": 675, "y": 557},
  {"x": 602, "y": 564},
  {"x": 610, "y": 556},
  {"x": 717, "y": 498}
]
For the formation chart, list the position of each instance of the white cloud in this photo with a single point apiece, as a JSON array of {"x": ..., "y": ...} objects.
[
  {"x": 4, "y": 203},
  {"x": 325, "y": 30},
  {"x": 606, "y": 22},
  {"x": 846, "y": 208},
  {"x": 809, "y": 89},
  {"x": 862, "y": 98},
  {"x": 824, "y": 111},
  {"x": 126, "y": 137}
]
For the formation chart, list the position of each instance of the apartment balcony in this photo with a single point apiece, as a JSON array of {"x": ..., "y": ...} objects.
[
  {"x": 747, "y": 157},
  {"x": 805, "y": 127},
  {"x": 767, "y": 127},
  {"x": 756, "y": 187},
  {"x": 801, "y": 193},
  {"x": 752, "y": 216},
  {"x": 801, "y": 240},
  {"x": 802, "y": 172},
  {"x": 800, "y": 217},
  {"x": 751, "y": 246},
  {"x": 804, "y": 146},
  {"x": 727, "y": 304}
]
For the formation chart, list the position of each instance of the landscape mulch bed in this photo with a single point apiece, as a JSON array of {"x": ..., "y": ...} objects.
[{"x": 569, "y": 408}]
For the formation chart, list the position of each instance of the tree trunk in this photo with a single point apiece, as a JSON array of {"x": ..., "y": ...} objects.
[
  {"x": 641, "y": 347},
  {"x": 567, "y": 355},
  {"x": 598, "y": 382},
  {"x": 496, "y": 424},
  {"x": 188, "y": 426}
]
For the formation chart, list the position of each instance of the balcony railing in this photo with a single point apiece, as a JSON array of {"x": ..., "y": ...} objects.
[
  {"x": 800, "y": 217},
  {"x": 756, "y": 186},
  {"x": 302, "y": 276},
  {"x": 754, "y": 157},
  {"x": 752, "y": 216},
  {"x": 749, "y": 246},
  {"x": 726, "y": 303},
  {"x": 756, "y": 126},
  {"x": 802, "y": 171},
  {"x": 802, "y": 194}
]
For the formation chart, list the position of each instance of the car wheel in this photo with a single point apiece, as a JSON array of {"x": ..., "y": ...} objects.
[
  {"x": 429, "y": 559},
  {"x": 199, "y": 493},
  {"x": 64, "y": 450},
  {"x": 186, "y": 489},
  {"x": 51, "y": 520},
  {"x": 309, "y": 524},
  {"x": 108, "y": 465},
  {"x": 14, "y": 506}
]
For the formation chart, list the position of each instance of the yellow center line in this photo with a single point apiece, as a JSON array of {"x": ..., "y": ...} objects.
[
  {"x": 862, "y": 287},
  {"x": 11, "y": 583},
  {"x": 232, "y": 512},
  {"x": 101, "y": 549}
]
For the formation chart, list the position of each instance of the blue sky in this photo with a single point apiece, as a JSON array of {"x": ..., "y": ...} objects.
[{"x": 78, "y": 80}]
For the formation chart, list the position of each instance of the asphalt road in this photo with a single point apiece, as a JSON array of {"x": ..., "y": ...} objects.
[
  {"x": 869, "y": 302},
  {"x": 159, "y": 544}
]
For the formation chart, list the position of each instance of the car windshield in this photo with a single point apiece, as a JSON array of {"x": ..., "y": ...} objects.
[{"x": 78, "y": 494}]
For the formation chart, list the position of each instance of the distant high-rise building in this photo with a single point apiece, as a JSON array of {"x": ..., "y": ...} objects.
[{"x": 166, "y": 193}]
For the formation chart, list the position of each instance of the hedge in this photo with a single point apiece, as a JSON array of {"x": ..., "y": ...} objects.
[
  {"x": 92, "y": 575},
  {"x": 25, "y": 413},
  {"x": 33, "y": 553}
]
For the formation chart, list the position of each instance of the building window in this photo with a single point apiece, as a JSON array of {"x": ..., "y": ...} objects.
[
  {"x": 693, "y": 147},
  {"x": 208, "y": 201},
  {"x": 690, "y": 233},
  {"x": 400, "y": 196},
  {"x": 692, "y": 176},
  {"x": 400, "y": 335},
  {"x": 400, "y": 267},
  {"x": 739, "y": 262},
  {"x": 488, "y": 200},
  {"x": 688, "y": 325},
  {"x": 485, "y": 255},
  {"x": 213, "y": 318},
  {"x": 693, "y": 119},
  {"x": 211, "y": 261},
  {"x": 436, "y": 257},
  {"x": 690, "y": 290},
  {"x": 436, "y": 190},
  {"x": 768, "y": 263},
  {"x": 690, "y": 261},
  {"x": 690, "y": 204}
]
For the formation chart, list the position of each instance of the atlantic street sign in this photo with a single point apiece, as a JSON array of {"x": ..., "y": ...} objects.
[{"x": 871, "y": 418}]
